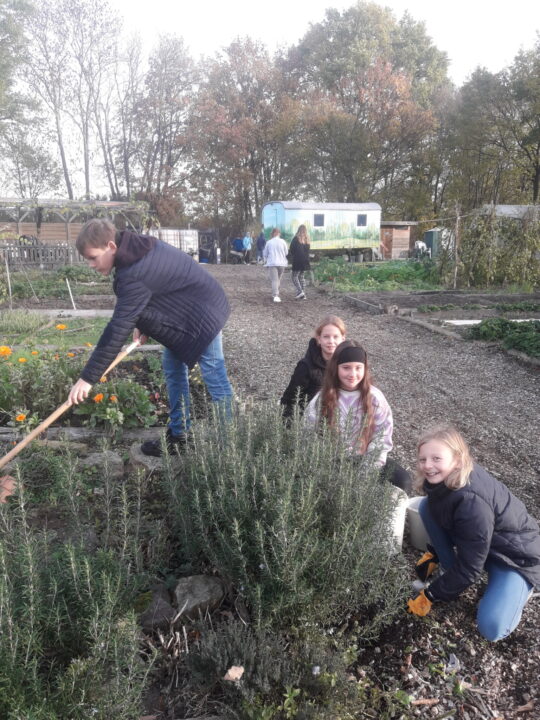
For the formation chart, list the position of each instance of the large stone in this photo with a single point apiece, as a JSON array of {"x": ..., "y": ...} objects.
[
  {"x": 158, "y": 615},
  {"x": 197, "y": 594},
  {"x": 138, "y": 460},
  {"x": 108, "y": 459}
]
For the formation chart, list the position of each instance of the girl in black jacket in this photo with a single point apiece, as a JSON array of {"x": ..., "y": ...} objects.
[
  {"x": 475, "y": 524},
  {"x": 299, "y": 255},
  {"x": 306, "y": 380}
]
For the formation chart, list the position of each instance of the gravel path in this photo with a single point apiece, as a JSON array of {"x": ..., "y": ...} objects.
[{"x": 425, "y": 376}]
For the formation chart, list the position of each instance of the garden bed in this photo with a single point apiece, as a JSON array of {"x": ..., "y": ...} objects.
[{"x": 411, "y": 670}]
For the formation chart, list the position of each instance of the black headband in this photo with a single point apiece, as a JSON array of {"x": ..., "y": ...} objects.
[{"x": 351, "y": 353}]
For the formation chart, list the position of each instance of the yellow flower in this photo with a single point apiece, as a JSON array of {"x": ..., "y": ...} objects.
[
  {"x": 34, "y": 352},
  {"x": 61, "y": 326},
  {"x": 5, "y": 351},
  {"x": 98, "y": 398},
  {"x": 103, "y": 378},
  {"x": 20, "y": 417},
  {"x": 71, "y": 354},
  {"x": 22, "y": 360},
  {"x": 88, "y": 344},
  {"x": 113, "y": 399}
]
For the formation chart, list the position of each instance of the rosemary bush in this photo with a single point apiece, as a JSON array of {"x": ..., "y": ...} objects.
[
  {"x": 302, "y": 533},
  {"x": 69, "y": 642}
]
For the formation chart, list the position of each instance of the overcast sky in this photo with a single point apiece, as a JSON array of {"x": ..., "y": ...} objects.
[{"x": 471, "y": 32}]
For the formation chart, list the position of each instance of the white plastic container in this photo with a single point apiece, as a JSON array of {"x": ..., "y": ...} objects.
[
  {"x": 418, "y": 536},
  {"x": 398, "y": 518}
]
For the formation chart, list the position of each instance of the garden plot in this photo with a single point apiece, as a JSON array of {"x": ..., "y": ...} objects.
[{"x": 410, "y": 669}]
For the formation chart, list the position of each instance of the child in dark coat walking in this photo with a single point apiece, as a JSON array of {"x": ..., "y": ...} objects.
[
  {"x": 475, "y": 524},
  {"x": 299, "y": 254}
]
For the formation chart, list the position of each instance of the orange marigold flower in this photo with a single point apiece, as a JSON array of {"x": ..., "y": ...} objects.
[
  {"x": 56, "y": 357},
  {"x": 34, "y": 352},
  {"x": 71, "y": 354},
  {"x": 21, "y": 359},
  {"x": 113, "y": 399},
  {"x": 103, "y": 378},
  {"x": 98, "y": 398},
  {"x": 5, "y": 351},
  {"x": 20, "y": 417},
  {"x": 61, "y": 326}
]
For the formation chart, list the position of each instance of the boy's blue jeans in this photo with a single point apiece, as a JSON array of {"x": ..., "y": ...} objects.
[
  {"x": 499, "y": 610},
  {"x": 214, "y": 374}
]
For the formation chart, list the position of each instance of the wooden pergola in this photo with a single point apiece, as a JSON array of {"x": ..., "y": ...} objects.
[{"x": 60, "y": 220}]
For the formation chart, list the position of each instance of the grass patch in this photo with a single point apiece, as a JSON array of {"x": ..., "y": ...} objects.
[
  {"x": 20, "y": 327},
  {"x": 391, "y": 275},
  {"x": 47, "y": 284}
]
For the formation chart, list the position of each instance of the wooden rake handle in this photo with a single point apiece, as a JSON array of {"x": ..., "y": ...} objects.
[{"x": 60, "y": 410}]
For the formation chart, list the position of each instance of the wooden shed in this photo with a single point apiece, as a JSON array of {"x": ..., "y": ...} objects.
[{"x": 397, "y": 238}]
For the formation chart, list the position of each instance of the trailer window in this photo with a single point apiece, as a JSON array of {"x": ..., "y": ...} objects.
[
  {"x": 318, "y": 220},
  {"x": 361, "y": 220}
]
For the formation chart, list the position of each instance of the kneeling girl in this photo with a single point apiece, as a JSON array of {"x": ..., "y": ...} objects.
[
  {"x": 358, "y": 410},
  {"x": 475, "y": 523}
]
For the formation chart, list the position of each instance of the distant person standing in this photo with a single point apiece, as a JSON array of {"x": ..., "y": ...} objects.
[
  {"x": 246, "y": 246},
  {"x": 299, "y": 254},
  {"x": 261, "y": 242},
  {"x": 275, "y": 259}
]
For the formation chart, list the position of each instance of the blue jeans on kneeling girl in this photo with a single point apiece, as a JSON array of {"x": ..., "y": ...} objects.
[
  {"x": 214, "y": 375},
  {"x": 501, "y": 606}
]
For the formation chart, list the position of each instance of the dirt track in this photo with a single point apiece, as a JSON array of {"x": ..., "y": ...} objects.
[{"x": 426, "y": 377}]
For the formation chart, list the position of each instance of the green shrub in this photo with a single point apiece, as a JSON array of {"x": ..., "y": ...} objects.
[
  {"x": 392, "y": 275},
  {"x": 68, "y": 644},
  {"x": 523, "y": 336},
  {"x": 301, "y": 531},
  {"x": 490, "y": 329},
  {"x": 117, "y": 404}
]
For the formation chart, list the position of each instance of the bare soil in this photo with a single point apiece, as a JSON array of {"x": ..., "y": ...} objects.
[{"x": 427, "y": 378}]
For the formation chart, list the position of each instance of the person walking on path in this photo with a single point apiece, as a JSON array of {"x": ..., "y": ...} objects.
[
  {"x": 299, "y": 254},
  {"x": 307, "y": 378},
  {"x": 161, "y": 292},
  {"x": 475, "y": 524},
  {"x": 246, "y": 246},
  {"x": 275, "y": 259},
  {"x": 261, "y": 242}
]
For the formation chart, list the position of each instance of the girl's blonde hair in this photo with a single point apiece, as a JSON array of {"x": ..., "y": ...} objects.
[
  {"x": 453, "y": 439},
  {"x": 330, "y": 394},
  {"x": 330, "y": 320}
]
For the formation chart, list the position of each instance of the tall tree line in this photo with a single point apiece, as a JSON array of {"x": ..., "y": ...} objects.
[{"x": 360, "y": 109}]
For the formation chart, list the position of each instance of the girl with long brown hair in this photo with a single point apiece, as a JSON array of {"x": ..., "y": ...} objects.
[
  {"x": 306, "y": 380},
  {"x": 357, "y": 410}
]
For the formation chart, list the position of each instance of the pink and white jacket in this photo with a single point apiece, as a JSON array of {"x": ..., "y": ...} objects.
[{"x": 350, "y": 417}]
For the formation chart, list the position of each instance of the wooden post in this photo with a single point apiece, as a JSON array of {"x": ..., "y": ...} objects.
[
  {"x": 8, "y": 279},
  {"x": 456, "y": 247}
]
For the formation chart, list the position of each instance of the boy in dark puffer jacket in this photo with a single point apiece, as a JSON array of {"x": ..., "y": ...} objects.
[{"x": 161, "y": 292}]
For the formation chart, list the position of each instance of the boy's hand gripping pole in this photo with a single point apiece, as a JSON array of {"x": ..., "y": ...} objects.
[{"x": 60, "y": 410}]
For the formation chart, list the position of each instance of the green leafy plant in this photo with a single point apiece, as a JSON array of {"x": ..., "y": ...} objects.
[
  {"x": 392, "y": 275},
  {"x": 118, "y": 404},
  {"x": 301, "y": 531},
  {"x": 524, "y": 336}
]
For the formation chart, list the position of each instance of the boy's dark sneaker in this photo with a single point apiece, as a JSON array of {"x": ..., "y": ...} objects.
[{"x": 175, "y": 444}]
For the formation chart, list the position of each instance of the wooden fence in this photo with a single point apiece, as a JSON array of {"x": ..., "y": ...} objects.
[{"x": 42, "y": 257}]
